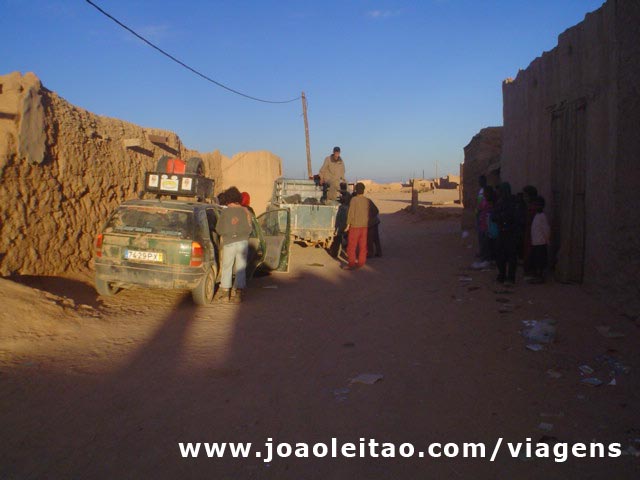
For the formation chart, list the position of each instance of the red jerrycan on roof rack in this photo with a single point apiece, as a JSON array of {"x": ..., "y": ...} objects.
[
  {"x": 193, "y": 166},
  {"x": 176, "y": 165},
  {"x": 171, "y": 165}
]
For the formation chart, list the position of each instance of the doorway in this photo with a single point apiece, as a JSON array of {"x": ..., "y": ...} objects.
[{"x": 568, "y": 179}]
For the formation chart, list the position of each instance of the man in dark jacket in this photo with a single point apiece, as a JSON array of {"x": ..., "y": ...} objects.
[
  {"x": 373, "y": 232},
  {"x": 504, "y": 215}
]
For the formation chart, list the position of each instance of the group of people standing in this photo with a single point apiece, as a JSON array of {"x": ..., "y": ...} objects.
[
  {"x": 512, "y": 227},
  {"x": 363, "y": 237},
  {"x": 234, "y": 227}
]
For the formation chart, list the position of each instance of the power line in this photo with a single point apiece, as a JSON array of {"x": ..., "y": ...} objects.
[{"x": 182, "y": 63}]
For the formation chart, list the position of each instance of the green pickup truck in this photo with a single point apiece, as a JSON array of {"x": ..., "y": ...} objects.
[{"x": 313, "y": 220}]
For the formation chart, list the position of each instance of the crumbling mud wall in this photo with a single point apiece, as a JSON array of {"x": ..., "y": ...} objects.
[
  {"x": 481, "y": 157},
  {"x": 63, "y": 169},
  {"x": 571, "y": 129}
]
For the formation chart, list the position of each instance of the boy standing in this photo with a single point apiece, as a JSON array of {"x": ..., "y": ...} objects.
[
  {"x": 357, "y": 226},
  {"x": 540, "y": 235}
]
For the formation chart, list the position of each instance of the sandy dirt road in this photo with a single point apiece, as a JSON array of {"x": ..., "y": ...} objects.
[{"x": 106, "y": 388}]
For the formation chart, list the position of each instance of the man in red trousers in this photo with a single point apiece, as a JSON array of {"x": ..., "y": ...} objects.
[{"x": 357, "y": 223}]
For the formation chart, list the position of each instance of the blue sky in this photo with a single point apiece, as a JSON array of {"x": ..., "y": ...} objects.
[{"x": 400, "y": 85}]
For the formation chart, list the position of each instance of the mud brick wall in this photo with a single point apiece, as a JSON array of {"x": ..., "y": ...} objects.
[
  {"x": 626, "y": 220},
  {"x": 578, "y": 105},
  {"x": 63, "y": 169}
]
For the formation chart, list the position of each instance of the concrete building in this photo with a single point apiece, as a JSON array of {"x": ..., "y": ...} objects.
[{"x": 572, "y": 129}]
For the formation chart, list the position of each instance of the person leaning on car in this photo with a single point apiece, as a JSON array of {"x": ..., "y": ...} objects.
[{"x": 234, "y": 227}]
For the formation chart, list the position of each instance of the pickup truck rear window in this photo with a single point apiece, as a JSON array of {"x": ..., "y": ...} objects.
[{"x": 153, "y": 221}]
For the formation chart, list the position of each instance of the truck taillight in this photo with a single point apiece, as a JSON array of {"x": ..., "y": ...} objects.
[
  {"x": 196, "y": 254},
  {"x": 99, "y": 246}
]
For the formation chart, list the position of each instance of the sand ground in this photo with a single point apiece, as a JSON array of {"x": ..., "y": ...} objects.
[{"x": 94, "y": 387}]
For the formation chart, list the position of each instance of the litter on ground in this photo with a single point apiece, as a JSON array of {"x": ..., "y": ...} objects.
[
  {"x": 585, "y": 369},
  {"x": 341, "y": 394},
  {"x": 535, "y": 347},
  {"x": 551, "y": 373},
  {"x": 591, "y": 382},
  {"x": 367, "y": 378},
  {"x": 539, "y": 331}
]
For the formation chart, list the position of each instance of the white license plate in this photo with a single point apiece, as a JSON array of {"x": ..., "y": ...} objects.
[{"x": 143, "y": 256}]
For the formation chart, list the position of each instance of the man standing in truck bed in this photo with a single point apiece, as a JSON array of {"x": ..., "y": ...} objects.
[{"x": 332, "y": 173}]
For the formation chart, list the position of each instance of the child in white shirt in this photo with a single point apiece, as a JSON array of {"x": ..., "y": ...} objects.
[{"x": 540, "y": 235}]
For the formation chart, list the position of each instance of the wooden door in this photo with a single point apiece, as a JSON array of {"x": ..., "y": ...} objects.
[{"x": 568, "y": 129}]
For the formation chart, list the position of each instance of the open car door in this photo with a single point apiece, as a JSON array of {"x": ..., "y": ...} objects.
[{"x": 276, "y": 230}]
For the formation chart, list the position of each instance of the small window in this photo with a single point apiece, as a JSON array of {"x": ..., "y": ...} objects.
[{"x": 153, "y": 221}]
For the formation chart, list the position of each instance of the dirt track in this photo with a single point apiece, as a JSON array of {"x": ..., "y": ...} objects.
[{"x": 108, "y": 389}]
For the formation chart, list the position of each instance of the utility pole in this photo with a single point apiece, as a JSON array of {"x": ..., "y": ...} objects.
[
  {"x": 460, "y": 185},
  {"x": 306, "y": 134}
]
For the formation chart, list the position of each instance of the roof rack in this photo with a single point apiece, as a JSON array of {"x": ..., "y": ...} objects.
[{"x": 177, "y": 178}]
